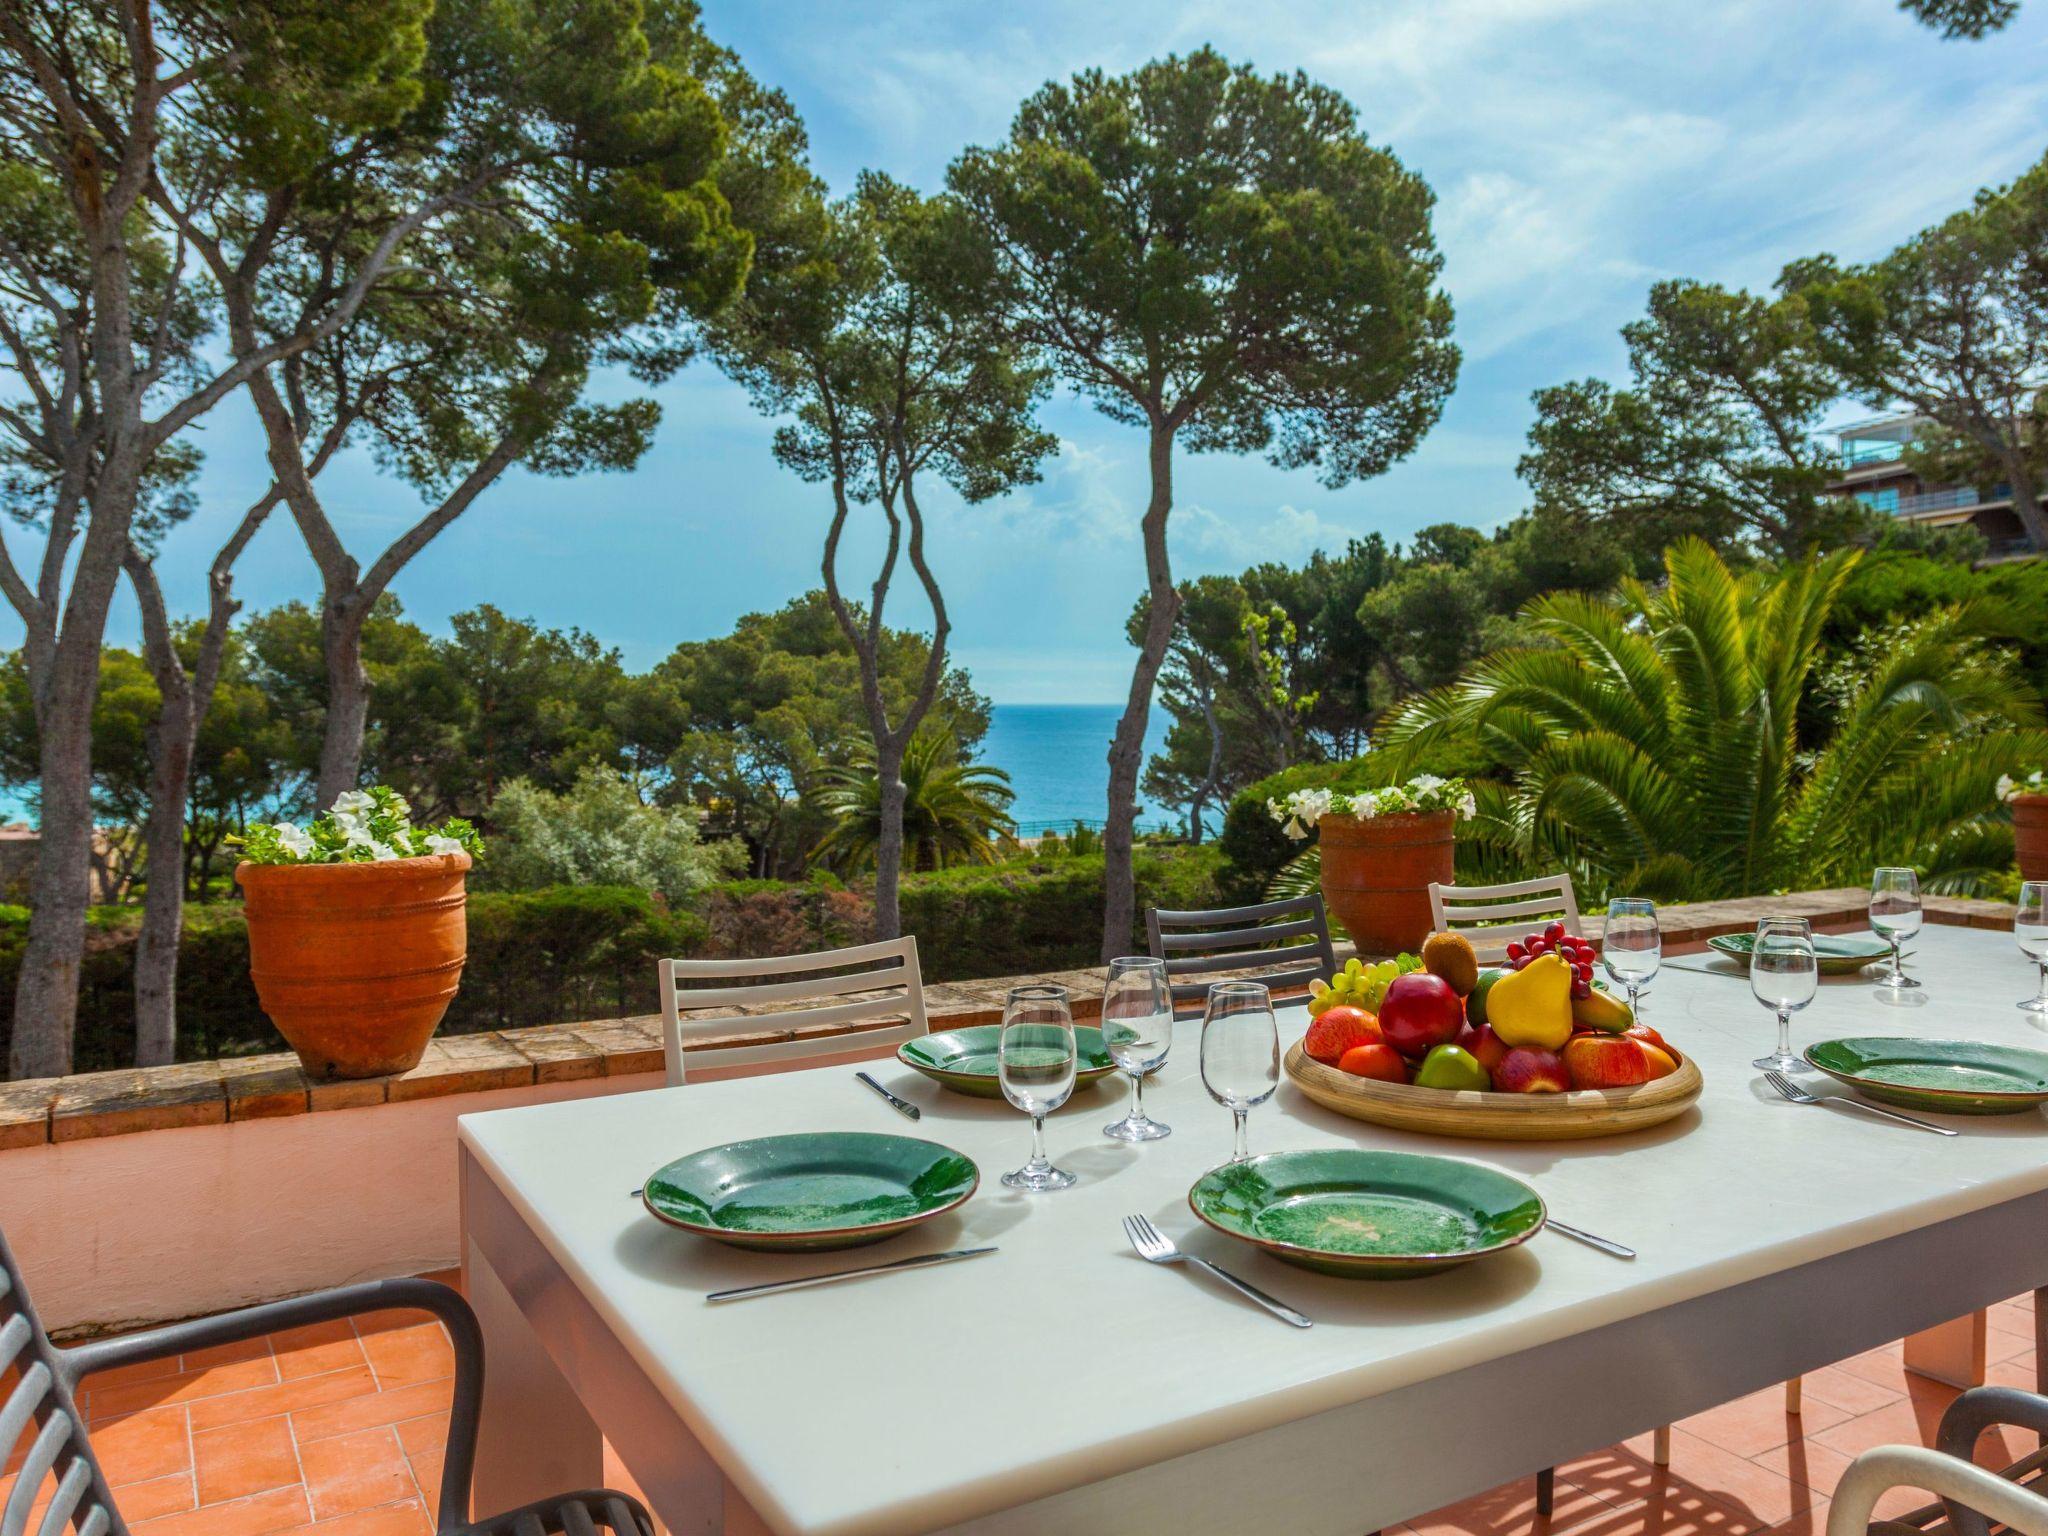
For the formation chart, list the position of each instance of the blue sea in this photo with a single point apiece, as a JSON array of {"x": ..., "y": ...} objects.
[{"x": 1057, "y": 757}]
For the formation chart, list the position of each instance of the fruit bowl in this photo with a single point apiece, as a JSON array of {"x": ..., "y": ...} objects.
[{"x": 1575, "y": 1115}]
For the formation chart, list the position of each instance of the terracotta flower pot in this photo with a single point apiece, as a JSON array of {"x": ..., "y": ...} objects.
[
  {"x": 2030, "y": 835},
  {"x": 356, "y": 963},
  {"x": 1377, "y": 872}
]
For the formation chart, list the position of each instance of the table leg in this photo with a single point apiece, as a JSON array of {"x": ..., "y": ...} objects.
[
  {"x": 537, "y": 1440},
  {"x": 1660, "y": 1446},
  {"x": 1951, "y": 1352}
]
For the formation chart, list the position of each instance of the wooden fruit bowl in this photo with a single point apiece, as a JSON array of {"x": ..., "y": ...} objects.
[{"x": 1497, "y": 1116}]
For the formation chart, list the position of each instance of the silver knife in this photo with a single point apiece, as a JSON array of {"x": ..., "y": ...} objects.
[
  {"x": 922, "y": 1261},
  {"x": 1605, "y": 1245},
  {"x": 904, "y": 1105}
]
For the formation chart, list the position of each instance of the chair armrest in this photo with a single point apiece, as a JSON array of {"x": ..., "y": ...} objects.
[
  {"x": 1981, "y": 1407},
  {"x": 445, "y": 1303},
  {"x": 1965, "y": 1488}
]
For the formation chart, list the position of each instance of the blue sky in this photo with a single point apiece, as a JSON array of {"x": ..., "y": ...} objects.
[{"x": 1580, "y": 149}]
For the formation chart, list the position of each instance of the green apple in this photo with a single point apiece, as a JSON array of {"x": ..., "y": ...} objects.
[{"x": 1452, "y": 1067}]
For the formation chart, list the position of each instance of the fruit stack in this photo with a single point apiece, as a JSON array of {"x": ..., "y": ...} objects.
[{"x": 1540, "y": 1025}]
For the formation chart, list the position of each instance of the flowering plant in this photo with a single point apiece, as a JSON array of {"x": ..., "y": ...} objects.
[
  {"x": 1301, "y": 810},
  {"x": 2035, "y": 783},
  {"x": 364, "y": 825}
]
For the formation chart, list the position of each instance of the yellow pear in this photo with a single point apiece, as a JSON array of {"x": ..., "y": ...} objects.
[{"x": 1533, "y": 1006}]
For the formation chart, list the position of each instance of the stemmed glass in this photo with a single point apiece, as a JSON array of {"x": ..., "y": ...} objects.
[
  {"x": 2030, "y": 929},
  {"x": 1784, "y": 976},
  {"x": 1137, "y": 1028},
  {"x": 1894, "y": 917},
  {"x": 1035, "y": 1065},
  {"x": 1240, "y": 1053},
  {"x": 1631, "y": 949}
]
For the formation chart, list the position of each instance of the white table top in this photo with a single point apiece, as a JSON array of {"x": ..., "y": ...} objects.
[{"x": 917, "y": 1400}]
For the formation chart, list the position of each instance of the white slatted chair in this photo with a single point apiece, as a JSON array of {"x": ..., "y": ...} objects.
[
  {"x": 888, "y": 969},
  {"x": 1480, "y": 910}
]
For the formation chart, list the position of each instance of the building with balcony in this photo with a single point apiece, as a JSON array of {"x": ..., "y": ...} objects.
[{"x": 1875, "y": 472}]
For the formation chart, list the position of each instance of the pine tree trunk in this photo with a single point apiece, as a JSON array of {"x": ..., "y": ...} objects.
[
  {"x": 889, "y": 846},
  {"x": 163, "y": 906},
  {"x": 1127, "y": 747},
  {"x": 348, "y": 705},
  {"x": 2026, "y": 498},
  {"x": 46, "y": 994}
]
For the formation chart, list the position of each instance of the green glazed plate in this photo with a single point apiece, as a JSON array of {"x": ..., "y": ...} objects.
[
  {"x": 1955, "y": 1077},
  {"x": 822, "y": 1189},
  {"x": 1838, "y": 954},
  {"x": 965, "y": 1059},
  {"x": 1374, "y": 1215}
]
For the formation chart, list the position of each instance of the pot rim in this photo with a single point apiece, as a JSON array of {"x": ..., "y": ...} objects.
[
  {"x": 2031, "y": 796},
  {"x": 1366, "y": 821},
  {"x": 423, "y": 864}
]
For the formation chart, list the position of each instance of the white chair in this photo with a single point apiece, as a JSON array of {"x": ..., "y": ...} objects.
[
  {"x": 1520, "y": 902},
  {"x": 888, "y": 969},
  {"x": 1970, "y": 1490}
]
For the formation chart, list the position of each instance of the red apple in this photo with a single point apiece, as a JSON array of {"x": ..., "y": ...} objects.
[
  {"x": 1378, "y": 1060},
  {"x": 1527, "y": 1069},
  {"x": 1606, "y": 1061},
  {"x": 1649, "y": 1036},
  {"x": 1419, "y": 1013},
  {"x": 1336, "y": 1030},
  {"x": 1484, "y": 1044}
]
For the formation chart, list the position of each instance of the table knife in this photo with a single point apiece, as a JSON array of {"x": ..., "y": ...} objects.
[
  {"x": 1591, "y": 1240},
  {"x": 922, "y": 1261},
  {"x": 904, "y": 1105}
]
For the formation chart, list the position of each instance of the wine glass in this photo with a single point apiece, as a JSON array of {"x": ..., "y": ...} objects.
[
  {"x": 1894, "y": 917},
  {"x": 1137, "y": 1028},
  {"x": 2030, "y": 928},
  {"x": 1035, "y": 1065},
  {"x": 1784, "y": 976},
  {"x": 1240, "y": 1053},
  {"x": 1631, "y": 949}
]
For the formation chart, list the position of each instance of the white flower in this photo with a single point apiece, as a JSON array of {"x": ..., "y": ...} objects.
[
  {"x": 1468, "y": 807},
  {"x": 382, "y": 851},
  {"x": 1423, "y": 783},
  {"x": 294, "y": 840},
  {"x": 2006, "y": 788},
  {"x": 351, "y": 804},
  {"x": 439, "y": 844}
]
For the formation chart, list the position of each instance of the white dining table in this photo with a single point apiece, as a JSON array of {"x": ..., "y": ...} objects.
[{"x": 1063, "y": 1384}]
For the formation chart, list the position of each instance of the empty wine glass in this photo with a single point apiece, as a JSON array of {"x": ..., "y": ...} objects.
[
  {"x": 1631, "y": 949},
  {"x": 1894, "y": 917},
  {"x": 1137, "y": 1029},
  {"x": 2030, "y": 928},
  {"x": 1784, "y": 976},
  {"x": 1035, "y": 1065},
  {"x": 1240, "y": 1053}
]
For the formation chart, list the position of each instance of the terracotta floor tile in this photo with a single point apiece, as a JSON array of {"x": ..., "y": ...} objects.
[
  {"x": 372, "y": 1410},
  {"x": 2015, "y": 1373},
  {"x": 123, "y": 1375},
  {"x": 238, "y": 1460},
  {"x": 426, "y": 1471},
  {"x": 1886, "y": 1366},
  {"x": 185, "y": 1387},
  {"x": 346, "y": 1474},
  {"x": 1911, "y": 1421},
  {"x": 2007, "y": 1343},
  {"x": 1504, "y": 1511},
  {"x": 280, "y": 1510},
  {"x": 1764, "y": 1494},
  {"x": 1817, "y": 1466},
  {"x": 1811, "y": 1521},
  {"x": 406, "y": 1355},
  {"x": 427, "y": 1433},
  {"x": 143, "y": 1446},
  {"x": 317, "y": 1349},
  {"x": 1846, "y": 1390},
  {"x": 409, "y": 1519},
  {"x": 1759, "y": 1422},
  {"x": 228, "y": 1354},
  {"x": 285, "y": 1397},
  {"x": 1677, "y": 1510},
  {"x": 388, "y": 1322},
  {"x": 156, "y": 1498}
]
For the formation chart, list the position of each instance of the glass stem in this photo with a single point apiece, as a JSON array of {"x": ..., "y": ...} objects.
[
  {"x": 1241, "y": 1146},
  {"x": 2041, "y": 994},
  {"x": 1898, "y": 966},
  {"x": 1137, "y": 1095},
  {"x": 1784, "y": 1033},
  {"x": 1037, "y": 1140},
  {"x": 1632, "y": 999}
]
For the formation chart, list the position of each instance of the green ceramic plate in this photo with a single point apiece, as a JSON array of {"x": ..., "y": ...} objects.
[
  {"x": 821, "y": 1189},
  {"x": 1377, "y": 1215},
  {"x": 965, "y": 1059},
  {"x": 1839, "y": 954},
  {"x": 1955, "y": 1077}
]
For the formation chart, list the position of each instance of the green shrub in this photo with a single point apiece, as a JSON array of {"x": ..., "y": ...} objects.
[{"x": 1252, "y": 845}]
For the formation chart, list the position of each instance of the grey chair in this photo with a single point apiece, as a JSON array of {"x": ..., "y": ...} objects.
[
  {"x": 38, "y": 1404},
  {"x": 1966, "y": 1418},
  {"x": 1236, "y": 939}
]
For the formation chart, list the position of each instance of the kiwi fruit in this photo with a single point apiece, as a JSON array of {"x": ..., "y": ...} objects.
[{"x": 1451, "y": 956}]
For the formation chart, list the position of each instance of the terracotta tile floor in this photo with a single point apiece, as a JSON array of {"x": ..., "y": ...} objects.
[{"x": 338, "y": 1429}]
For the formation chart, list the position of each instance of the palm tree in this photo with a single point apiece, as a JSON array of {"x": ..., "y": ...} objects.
[
  {"x": 1690, "y": 742},
  {"x": 953, "y": 812}
]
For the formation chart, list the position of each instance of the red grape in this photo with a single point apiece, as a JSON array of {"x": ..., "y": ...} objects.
[
  {"x": 1582, "y": 989},
  {"x": 1515, "y": 950},
  {"x": 1537, "y": 947},
  {"x": 1553, "y": 931}
]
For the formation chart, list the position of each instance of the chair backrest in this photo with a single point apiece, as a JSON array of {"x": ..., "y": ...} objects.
[
  {"x": 1198, "y": 945},
  {"x": 879, "y": 981},
  {"x": 37, "y": 1410},
  {"x": 1504, "y": 911}
]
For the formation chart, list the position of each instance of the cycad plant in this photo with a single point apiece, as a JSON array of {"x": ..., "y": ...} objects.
[
  {"x": 953, "y": 812},
  {"x": 1689, "y": 741}
]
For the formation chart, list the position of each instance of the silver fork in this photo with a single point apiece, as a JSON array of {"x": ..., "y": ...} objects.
[
  {"x": 1154, "y": 1247},
  {"x": 1799, "y": 1095}
]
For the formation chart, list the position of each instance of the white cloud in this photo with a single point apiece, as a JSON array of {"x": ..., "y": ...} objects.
[{"x": 1288, "y": 534}]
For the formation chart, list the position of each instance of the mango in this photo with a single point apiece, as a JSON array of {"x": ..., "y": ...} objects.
[
  {"x": 1533, "y": 1006},
  {"x": 1602, "y": 1011}
]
